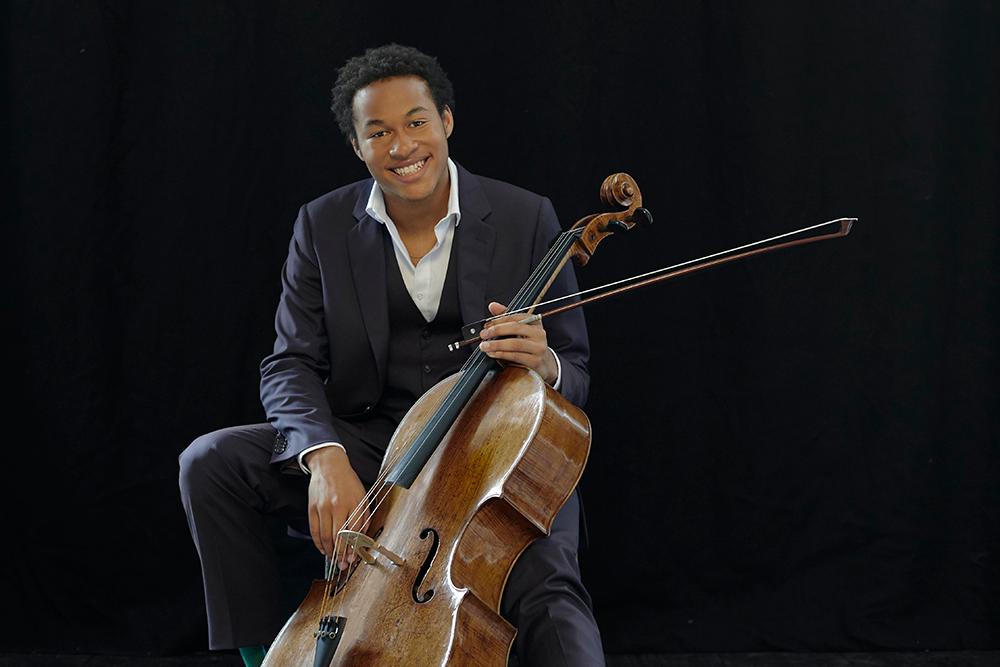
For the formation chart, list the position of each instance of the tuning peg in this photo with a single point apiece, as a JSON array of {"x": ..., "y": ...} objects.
[
  {"x": 616, "y": 226},
  {"x": 642, "y": 217}
]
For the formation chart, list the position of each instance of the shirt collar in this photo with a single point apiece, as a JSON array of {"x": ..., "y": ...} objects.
[{"x": 376, "y": 201}]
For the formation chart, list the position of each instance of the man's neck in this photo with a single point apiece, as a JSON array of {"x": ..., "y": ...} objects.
[{"x": 412, "y": 217}]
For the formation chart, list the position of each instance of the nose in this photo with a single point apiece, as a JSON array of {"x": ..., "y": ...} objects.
[{"x": 402, "y": 147}]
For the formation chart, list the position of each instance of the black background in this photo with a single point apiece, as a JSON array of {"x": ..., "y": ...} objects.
[{"x": 796, "y": 452}]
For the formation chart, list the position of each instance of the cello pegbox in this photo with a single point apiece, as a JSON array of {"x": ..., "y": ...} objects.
[{"x": 618, "y": 190}]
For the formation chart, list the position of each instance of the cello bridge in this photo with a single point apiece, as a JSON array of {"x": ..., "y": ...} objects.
[{"x": 364, "y": 546}]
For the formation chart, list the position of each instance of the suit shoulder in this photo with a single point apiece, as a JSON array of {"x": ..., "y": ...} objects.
[
  {"x": 498, "y": 191},
  {"x": 339, "y": 205},
  {"x": 521, "y": 212}
]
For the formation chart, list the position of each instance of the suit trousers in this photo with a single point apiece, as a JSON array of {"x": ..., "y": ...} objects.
[{"x": 229, "y": 487}]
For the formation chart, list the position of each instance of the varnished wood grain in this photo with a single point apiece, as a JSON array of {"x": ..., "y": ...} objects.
[{"x": 495, "y": 483}]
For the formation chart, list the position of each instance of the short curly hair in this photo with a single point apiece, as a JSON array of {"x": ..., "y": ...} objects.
[{"x": 384, "y": 62}]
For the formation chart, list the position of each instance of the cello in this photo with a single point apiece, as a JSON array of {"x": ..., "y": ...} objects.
[{"x": 478, "y": 469}]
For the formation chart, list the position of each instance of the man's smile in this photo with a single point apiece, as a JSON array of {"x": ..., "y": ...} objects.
[{"x": 410, "y": 169}]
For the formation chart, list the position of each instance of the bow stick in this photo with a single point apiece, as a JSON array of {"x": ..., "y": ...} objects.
[{"x": 675, "y": 271}]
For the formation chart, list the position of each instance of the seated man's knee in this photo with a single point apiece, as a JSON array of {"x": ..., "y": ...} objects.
[{"x": 201, "y": 462}]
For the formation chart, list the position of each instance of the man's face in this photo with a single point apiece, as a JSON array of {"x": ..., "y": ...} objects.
[{"x": 402, "y": 139}]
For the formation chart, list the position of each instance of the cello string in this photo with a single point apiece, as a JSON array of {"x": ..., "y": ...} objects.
[{"x": 340, "y": 550}]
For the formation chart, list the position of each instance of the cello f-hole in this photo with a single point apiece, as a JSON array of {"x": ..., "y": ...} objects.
[{"x": 421, "y": 598}]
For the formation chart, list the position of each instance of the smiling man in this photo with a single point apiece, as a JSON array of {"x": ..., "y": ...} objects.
[{"x": 380, "y": 276}]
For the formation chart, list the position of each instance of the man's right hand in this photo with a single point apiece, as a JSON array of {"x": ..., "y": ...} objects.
[{"x": 334, "y": 493}]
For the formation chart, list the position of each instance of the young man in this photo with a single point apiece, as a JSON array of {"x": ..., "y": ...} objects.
[{"x": 380, "y": 276}]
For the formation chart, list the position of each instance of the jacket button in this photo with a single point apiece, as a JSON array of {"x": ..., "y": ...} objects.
[
  {"x": 280, "y": 444},
  {"x": 427, "y": 368}
]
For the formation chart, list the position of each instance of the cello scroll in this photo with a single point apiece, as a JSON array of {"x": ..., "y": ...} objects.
[{"x": 620, "y": 190}]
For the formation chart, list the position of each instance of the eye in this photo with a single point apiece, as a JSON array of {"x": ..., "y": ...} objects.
[
  {"x": 418, "y": 123},
  {"x": 377, "y": 134}
]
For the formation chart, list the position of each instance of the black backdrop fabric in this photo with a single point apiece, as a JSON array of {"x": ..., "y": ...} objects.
[{"x": 796, "y": 452}]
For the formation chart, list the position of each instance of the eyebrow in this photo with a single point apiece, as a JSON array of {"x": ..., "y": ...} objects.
[{"x": 379, "y": 121}]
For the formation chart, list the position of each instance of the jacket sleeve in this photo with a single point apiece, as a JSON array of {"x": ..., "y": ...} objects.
[
  {"x": 566, "y": 332},
  {"x": 292, "y": 378}
]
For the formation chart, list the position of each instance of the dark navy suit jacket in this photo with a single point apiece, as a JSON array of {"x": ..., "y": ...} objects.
[{"x": 332, "y": 323}]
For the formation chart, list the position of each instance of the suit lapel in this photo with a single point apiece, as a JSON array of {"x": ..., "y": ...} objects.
[
  {"x": 367, "y": 253},
  {"x": 475, "y": 247}
]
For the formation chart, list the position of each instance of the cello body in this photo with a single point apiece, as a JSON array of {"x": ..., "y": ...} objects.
[{"x": 496, "y": 482}]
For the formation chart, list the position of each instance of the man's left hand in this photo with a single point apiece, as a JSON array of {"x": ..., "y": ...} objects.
[{"x": 507, "y": 339}]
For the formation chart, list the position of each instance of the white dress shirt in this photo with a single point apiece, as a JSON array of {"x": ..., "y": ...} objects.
[{"x": 425, "y": 280}]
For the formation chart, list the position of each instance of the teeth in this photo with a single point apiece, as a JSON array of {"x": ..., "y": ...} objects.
[{"x": 412, "y": 169}]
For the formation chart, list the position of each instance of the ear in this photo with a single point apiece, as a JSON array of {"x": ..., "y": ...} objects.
[
  {"x": 448, "y": 118},
  {"x": 357, "y": 150}
]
